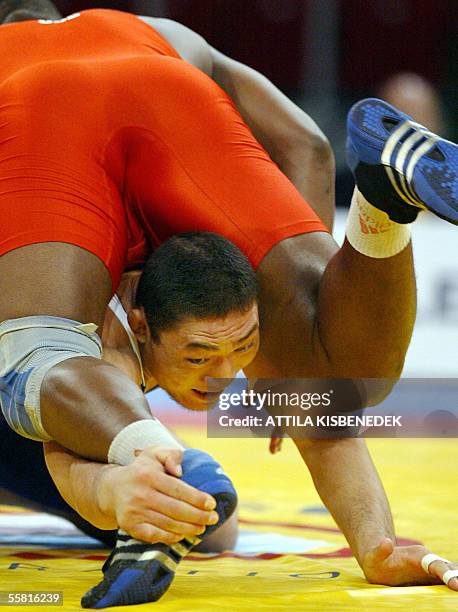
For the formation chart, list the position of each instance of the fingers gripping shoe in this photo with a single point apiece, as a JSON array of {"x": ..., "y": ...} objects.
[
  {"x": 399, "y": 166},
  {"x": 137, "y": 572}
]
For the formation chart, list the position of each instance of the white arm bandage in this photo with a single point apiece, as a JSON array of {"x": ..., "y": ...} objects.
[{"x": 137, "y": 436}]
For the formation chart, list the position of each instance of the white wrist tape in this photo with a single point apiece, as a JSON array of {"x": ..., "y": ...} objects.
[
  {"x": 448, "y": 575},
  {"x": 371, "y": 232},
  {"x": 137, "y": 436},
  {"x": 429, "y": 558}
]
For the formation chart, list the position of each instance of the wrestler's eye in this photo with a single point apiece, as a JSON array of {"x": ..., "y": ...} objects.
[
  {"x": 244, "y": 349},
  {"x": 200, "y": 361}
]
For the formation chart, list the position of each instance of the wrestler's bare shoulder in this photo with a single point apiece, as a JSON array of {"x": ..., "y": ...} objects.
[
  {"x": 192, "y": 47},
  {"x": 116, "y": 347}
]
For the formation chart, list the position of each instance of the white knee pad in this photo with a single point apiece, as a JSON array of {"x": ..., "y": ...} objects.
[{"x": 29, "y": 348}]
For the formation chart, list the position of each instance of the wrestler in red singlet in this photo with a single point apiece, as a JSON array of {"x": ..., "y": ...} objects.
[{"x": 111, "y": 142}]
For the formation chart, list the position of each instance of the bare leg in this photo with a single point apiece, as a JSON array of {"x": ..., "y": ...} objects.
[
  {"x": 369, "y": 332},
  {"x": 330, "y": 312}
]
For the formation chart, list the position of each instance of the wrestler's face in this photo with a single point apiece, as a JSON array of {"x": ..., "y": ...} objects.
[{"x": 197, "y": 349}]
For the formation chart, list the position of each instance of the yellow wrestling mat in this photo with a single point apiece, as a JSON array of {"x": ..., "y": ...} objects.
[{"x": 290, "y": 556}]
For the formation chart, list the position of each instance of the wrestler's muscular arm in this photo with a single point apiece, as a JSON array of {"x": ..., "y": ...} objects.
[
  {"x": 85, "y": 402},
  {"x": 145, "y": 498},
  {"x": 343, "y": 472},
  {"x": 134, "y": 497},
  {"x": 353, "y": 493}
]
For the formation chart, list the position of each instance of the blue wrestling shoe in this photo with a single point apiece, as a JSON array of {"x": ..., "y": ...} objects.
[
  {"x": 399, "y": 166},
  {"x": 137, "y": 572}
]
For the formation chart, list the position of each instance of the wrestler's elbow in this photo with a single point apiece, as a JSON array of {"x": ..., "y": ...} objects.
[{"x": 313, "y": 145}]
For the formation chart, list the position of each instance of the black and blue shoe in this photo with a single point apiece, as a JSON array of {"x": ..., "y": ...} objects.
[
  {"x": 137, "y": 572},
  {"x": 399, "y": 166}
]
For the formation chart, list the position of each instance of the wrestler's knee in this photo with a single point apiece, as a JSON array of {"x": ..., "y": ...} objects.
[
  {"x": 223, "y": 538},
  {"x": 29, "y": 348},
  {"x": 317, "y": 145},
  {"x": 321, "y": 149}
]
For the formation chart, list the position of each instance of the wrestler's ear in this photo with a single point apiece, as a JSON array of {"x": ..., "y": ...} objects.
[{"x": 137, "y": 322}]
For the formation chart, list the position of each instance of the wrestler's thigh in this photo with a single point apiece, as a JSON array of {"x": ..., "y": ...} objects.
[
  {"x": 289, "y": 278},
  {"x": 56, "y": 279},
  {"x": 303, "y": 257}
]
